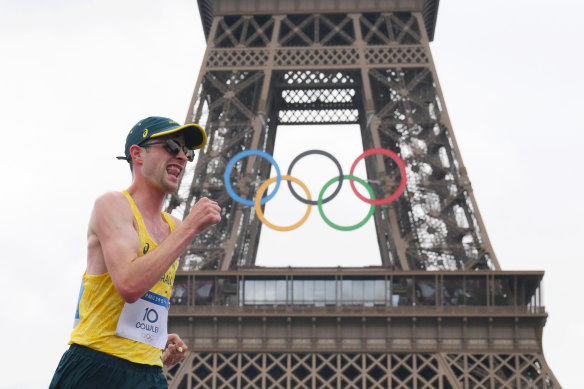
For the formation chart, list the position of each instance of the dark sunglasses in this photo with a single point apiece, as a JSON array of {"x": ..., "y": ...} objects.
[{"x": 173, "y": 147}]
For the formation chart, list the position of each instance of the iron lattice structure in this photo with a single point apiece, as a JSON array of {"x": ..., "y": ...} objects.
[
  {"x": 271, "y": 63},
  {"x": 363, "y": 370}
]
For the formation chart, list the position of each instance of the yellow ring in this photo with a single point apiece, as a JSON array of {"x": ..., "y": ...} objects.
[{"x": 258, "y": 207}]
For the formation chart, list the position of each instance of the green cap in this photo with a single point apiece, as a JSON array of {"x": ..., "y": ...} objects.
[{"x": 155, "y": 126}]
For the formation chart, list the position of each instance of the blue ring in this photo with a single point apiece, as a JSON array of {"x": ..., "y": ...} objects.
[{"x": 236, "y": 158}]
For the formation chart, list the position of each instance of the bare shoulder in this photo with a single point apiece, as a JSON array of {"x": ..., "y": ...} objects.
[
  {"x": 111, "y": 199},
  {"x": 111, "y": 217},
  {"x": 109, "y": 207}
]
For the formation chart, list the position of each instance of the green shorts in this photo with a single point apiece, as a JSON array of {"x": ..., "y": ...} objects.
[{"x": 84, "y": 368}]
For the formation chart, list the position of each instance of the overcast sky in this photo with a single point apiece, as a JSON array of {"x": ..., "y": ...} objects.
[{"x": 77, "y": 75}]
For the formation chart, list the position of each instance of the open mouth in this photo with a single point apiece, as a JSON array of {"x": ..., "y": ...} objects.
[{"x": 174, "y": 170}]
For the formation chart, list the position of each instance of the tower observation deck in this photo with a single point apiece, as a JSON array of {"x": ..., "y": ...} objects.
[{"x": 438, "y": 312}]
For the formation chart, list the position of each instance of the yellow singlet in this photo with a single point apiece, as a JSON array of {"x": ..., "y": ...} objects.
[{"x": 100, "y": 306}]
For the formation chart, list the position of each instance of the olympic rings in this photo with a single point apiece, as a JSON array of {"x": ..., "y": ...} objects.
[
  {"x": 336, "y": 226},
  {"x": 258, "y": 208},
  {"x": 402, "y": 168},
  {"x": 340, "y": 178},
  {"x": 288, "y": 177},
  {"x": 236, "y": 158}
]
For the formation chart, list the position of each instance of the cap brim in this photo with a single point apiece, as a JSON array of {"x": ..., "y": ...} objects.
[{"x": 195, "y": 136}]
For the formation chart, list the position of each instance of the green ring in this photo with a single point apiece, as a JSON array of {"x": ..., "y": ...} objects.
[{"x": 355, "y": 226}]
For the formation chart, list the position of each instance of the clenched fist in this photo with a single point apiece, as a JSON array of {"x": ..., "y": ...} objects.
[{"x": 205, "y": 213}]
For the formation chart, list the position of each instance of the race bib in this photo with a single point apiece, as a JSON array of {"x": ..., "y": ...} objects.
[{"x": 145, "y": 320}]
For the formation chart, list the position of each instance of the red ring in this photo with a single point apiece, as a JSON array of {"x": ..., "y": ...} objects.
[{"x": 402, "y": 168}]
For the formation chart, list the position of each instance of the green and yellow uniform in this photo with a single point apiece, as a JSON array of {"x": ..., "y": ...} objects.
[{"x": 100, "y": 310}]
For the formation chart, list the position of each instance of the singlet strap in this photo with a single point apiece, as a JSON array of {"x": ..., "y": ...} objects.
[
  {"x": 169, "y": 220},
  {"x": 138, "y": 216},
  {"x": 136, "y": 212}
]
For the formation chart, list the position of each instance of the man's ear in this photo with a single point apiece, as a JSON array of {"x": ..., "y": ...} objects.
[{"x": 136, "y": 153}]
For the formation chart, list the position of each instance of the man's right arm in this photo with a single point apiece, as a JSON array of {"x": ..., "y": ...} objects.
[{"x": 112, "y": 223}]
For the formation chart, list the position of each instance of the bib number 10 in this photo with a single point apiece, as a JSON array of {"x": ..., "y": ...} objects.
[
  {"x": 145, "y": 320},
  {"x": 151, "y": 315}
]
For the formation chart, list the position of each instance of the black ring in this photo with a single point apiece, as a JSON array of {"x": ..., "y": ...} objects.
[{"x": 321, "y": 152}]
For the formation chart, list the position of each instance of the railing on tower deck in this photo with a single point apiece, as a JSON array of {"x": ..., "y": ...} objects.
[
  {"x": 373, "y": 289},
  {"x": 355, "y": 343}
]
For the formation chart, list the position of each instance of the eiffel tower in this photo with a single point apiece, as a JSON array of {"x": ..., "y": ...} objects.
[{"x": 438, "y": 312}]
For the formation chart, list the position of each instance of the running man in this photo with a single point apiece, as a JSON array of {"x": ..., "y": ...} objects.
[{"x": 120, "y": 339}]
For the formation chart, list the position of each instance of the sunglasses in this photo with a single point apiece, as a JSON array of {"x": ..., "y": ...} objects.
[{"x": 173, "y": 147}]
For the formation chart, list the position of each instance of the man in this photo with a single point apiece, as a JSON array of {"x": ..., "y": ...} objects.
[{"x": 120, "y": 338}]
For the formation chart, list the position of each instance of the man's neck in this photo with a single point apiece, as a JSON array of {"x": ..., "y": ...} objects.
[{"x": 148, "y": 199}]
